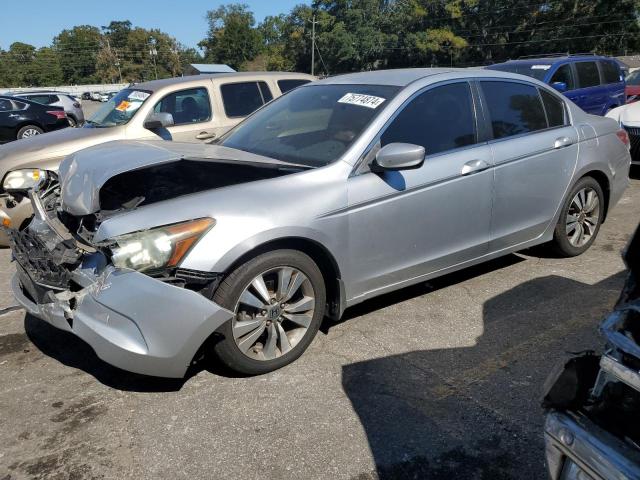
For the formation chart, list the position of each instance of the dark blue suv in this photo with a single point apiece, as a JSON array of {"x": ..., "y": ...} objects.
[{"x": 594, "y": 83}]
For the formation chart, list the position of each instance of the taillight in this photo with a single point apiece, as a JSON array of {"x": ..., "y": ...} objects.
[
  {"x": 59, "y": 114},
  {"x": 624, "y": 137},
  {"x": 76, "y": 105}
]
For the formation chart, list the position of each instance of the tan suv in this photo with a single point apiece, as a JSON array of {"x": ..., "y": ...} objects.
[{"x": 189, "y": 109}]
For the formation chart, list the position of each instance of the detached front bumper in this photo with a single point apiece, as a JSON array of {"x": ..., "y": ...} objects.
[
  {"x": 577, "y": 449},
  {"x": 132, "y": 321}
]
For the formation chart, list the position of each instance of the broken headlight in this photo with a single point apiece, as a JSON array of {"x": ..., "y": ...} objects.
[
  {"x": 161, "y": 247},
  {"x": 22, "y": 179}
]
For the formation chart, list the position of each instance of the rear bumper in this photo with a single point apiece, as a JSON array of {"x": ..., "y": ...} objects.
[
  {"x": 132, "y": 321},
  {"x": 575, "y": 444}
]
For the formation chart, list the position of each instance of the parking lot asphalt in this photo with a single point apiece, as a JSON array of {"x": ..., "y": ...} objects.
[{"x": 441, "y": 380}]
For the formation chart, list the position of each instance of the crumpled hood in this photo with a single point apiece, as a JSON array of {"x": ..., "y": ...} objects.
[
  {"x": 83, "y": 174},
  {"x": 28, "y": 152}
]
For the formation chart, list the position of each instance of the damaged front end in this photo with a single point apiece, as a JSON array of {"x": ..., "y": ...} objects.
[
  {"x": 149, "y": 322},
  {"x": 592, "y": 428}
]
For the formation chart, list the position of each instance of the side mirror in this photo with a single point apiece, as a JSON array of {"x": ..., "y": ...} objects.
[
  {"x": 398, "y": 156},
  {"x": 157, "y": 120},
  {"x": 560, "y": 86}
]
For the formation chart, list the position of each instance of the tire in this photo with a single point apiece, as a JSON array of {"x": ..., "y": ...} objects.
[
  {"x": 73, "y": 123},
  {"x": 29, "y": 131},
  {"x": 574, "y": 235},
  {"x": 277, "y": 340}
]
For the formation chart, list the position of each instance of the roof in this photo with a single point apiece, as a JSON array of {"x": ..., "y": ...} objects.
[
  {"x": 158, "y": 84},
  {"x": 554, "y": 59},
  {"x": 212, "y": 68},
  {"x": 399, "y": 77},
  {"x": 404, "y": 77}
]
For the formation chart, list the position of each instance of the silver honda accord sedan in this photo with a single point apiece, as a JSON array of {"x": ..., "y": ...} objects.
[{"x": 156, "y": 253}]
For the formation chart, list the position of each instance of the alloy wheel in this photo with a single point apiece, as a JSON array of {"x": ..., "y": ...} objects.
[
  {"x": 30, "y": 132},
  {"x": 273, "y": 313},
  {"x": 583, "y": 217}
]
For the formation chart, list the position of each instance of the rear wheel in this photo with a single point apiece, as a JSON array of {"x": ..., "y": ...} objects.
[
  {"x": 278, "y": 300},
  {"x": 29, "y": 131},
  {"x": 72, "y": 121},
  {"x": 580, "y": 218}
]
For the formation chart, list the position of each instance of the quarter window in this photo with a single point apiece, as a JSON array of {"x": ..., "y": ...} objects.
[
  {"x": 610, "y": 71},
  {"x": 186, "y": 106},
  {"x": 439, "y": 119},
  {"x": 241, "y": 99},
  {"x": 554, "y": 108},
  {"x": 588, "y": 75},
  {"x": 564, "y": 75},
  {"x": 286, "y": 85}
]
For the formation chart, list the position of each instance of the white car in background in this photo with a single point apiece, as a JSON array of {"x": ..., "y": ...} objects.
[{"x": 628, "y": 116}]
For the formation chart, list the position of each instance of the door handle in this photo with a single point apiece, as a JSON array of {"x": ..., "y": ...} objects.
[
  {"x": 562, "y": 142},
  {"x": 473, "y": 166},
  {"x": 13, "y": 115},
  {"x": 205, "y": 135}
]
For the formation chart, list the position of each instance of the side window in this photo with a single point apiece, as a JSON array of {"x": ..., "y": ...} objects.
[
  {"x": 588, "y": 75},
  {"x": 439, "y": 119},
  {"x": 267, "y": 96},
  {"x": 241, "y": 99},
  {"x": 564, "y": 75},
  {"x": 290, "y": 84},
  {"x": 514, "y": 108},
  {"x": 610, "y": 71},
  {"x": 554, "y": 108},
  {"x": 5, "y": 105},
  {"x": 19, "y": 106},
  {"x": 186, "y": 106}
]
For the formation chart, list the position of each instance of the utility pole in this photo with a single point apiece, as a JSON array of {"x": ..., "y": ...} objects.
[
  {"x": 154, "y": 53},
  {"x": 313, "y": 45}
]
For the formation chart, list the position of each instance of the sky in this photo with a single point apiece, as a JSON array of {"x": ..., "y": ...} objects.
[{"x": 182, "y": 19}]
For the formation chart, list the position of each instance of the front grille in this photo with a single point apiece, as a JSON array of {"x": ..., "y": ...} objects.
[
  {"x": 634, "y": 138},
  {"x": 37, "y": 261}
]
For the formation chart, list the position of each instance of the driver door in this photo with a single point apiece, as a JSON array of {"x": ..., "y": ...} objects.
[
  {"x": 192, "y": 113},
  {"x": 409, "y": 223}
]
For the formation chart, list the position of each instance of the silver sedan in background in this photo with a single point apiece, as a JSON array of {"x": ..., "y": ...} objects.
[{"x": 339, "y": 191}]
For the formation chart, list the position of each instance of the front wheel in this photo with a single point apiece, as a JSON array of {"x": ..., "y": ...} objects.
[
  {"x": 580, "y": 218},
  {"x": 278, "y": 300}
]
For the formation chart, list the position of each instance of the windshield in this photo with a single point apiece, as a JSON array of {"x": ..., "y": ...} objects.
[
  {"x": 534, "y": 70},
  {"x": 311, "y": 125},
  {"x": 119, "y": 109},
  {"x": 633, "y": 78}
]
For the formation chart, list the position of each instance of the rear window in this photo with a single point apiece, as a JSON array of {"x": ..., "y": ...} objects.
[
  {"x": 588, "y": 75},
  {"x": 290, "y": 84},
  {"x": 241, "y": 99},
  {"x": 554, "y": 108},
  {"x": 610, "y": 72},
  {"x": 514, "y": 108}
]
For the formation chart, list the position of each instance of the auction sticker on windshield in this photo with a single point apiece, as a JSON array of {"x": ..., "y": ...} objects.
[{"x": 369, "y": 101}]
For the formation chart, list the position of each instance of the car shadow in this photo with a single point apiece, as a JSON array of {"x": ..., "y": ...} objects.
[
  {"x": 634, "y": 172},
  {"x": 473, "y": 412}
]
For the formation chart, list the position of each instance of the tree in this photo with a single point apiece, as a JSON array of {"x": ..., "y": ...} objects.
[
  {"x": 77, "y": 49},
  {"x": 232, "y": 37}
]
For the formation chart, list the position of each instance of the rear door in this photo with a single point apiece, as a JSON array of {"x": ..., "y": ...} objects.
[
  {"x": 613, "y": 81},
  {"x": 591, "y": 94},
  {"x": 535, "y": 151},
  {"x": 240, "y": 99}
]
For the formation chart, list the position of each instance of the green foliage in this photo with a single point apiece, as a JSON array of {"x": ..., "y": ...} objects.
[
  {"x": 232, "y": 37},
  {"x": 351, "y": 35}
]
